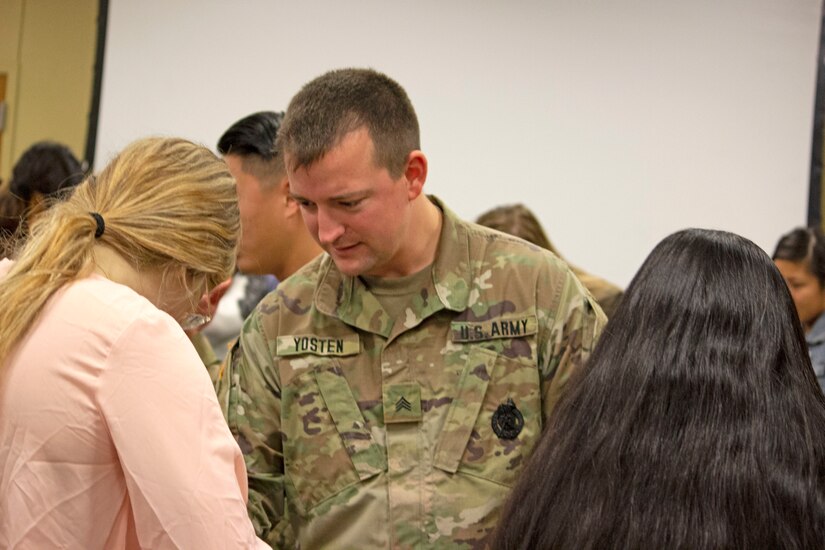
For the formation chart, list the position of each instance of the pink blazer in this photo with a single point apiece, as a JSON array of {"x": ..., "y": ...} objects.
[{"x": 111, "y": 435}]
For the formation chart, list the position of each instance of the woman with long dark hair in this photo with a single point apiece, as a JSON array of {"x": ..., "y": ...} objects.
[{"x": 697, "y": 423}]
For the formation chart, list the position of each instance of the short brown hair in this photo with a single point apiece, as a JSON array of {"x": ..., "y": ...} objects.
[{"x": 341, "y": 101}]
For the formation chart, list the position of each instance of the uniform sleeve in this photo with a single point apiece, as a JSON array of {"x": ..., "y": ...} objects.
[
  {"x": 184, "y": 473},
  {"x": 250, "y": 395},
  {"x": 207, "y": 354},
  {"x": 570, "y": 324}
]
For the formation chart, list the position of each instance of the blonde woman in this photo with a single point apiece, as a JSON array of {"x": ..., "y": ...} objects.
[{"x": 110, "y": 432}]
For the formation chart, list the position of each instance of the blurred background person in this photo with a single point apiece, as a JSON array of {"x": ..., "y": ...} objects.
[
  {"x": 39, "y": 177},
  {"x": 518, "y": 220},
  {"x": 275, "y": 240},
  {"x": 110, "y": 431},
  {"x": 800, "y": 257},
  {"x": 697, "y": 423},
  {"x": 11, "y": 212}
]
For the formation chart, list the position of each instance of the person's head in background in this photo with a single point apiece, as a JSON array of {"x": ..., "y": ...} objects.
[
  {"x": 696, "y": 423},
  {"x": 274, "y": 239},
  {"x": 518, "y": 220},
  {"x": 166, "y": 224},
  {"x": 42, "y": 174},
  {"x": 800, "y": 257},
  {"x": 12, "y": 210}
]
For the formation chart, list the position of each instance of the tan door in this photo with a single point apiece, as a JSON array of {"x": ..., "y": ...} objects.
[{"x": 3, "y": 113}]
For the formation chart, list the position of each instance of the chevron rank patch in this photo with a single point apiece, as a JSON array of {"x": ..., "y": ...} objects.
[{"x": 402, "y": 403}]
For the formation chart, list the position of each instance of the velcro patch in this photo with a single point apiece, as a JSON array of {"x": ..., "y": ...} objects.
[
  {"x": 298, "y": 344},
  {"x": 402, "y": 403},
  {"x": 510, "y": 327}
]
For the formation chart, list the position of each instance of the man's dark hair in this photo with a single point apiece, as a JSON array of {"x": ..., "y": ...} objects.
[
  {"x": 805, "y": 245},
  {"x": 341, "y": 101},
  {"x": 697, "y": 422},
  {"x": 46, "y": 168},
  {"x": 253, "y": 138},
  {"x": 252, "y": 135}
]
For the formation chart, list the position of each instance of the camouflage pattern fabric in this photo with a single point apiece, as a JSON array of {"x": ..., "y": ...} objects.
[
  {"x": 362, "y": 431},
  {"x": 207, "y": 355},
  {"x": 606, "y": 294}
]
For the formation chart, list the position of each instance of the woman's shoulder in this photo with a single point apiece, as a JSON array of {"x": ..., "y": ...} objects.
[{"x": 112, "y": 309}]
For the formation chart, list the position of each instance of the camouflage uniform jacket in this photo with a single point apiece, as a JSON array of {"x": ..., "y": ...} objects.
[{"x": 362, "y": 431}]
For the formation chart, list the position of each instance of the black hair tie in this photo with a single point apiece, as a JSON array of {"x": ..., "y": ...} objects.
[{"x": 100, "y": 225}]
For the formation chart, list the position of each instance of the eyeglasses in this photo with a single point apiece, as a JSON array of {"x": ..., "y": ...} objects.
[{"x": 193, "y": 321}]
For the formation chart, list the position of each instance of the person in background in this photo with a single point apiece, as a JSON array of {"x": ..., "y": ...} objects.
[
  {"x": 110, "y": 432},
  {"x": 274, "y": 241},
  {"x": 387, "y": 393},
  {"x": 800, "y": 258},
  {"x": 518, "y": 220},
  {"x": 697, "y": 423},
  {"x": 12, "y": 210},
  {"x": 42, "y": 174}
]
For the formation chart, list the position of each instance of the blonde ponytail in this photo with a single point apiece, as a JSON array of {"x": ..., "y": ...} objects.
[{"x": 165, "y": 202}]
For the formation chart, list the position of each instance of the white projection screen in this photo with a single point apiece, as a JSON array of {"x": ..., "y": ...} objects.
[{"x": 617, "y": 122}]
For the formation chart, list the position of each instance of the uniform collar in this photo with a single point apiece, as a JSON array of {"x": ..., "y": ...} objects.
[
  {"x": 346, "y": 298},
  {"x": 451, "y": 270}
]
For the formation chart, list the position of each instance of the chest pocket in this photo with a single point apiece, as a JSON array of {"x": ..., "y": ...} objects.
[
  {"x": 495, "y": 419},
  {"x": 327, "y": 445}
]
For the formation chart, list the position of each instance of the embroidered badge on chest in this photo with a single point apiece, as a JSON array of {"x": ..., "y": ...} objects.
[
  {"x": 402, "y": 403},
  {"x": 507, "y": 420}
]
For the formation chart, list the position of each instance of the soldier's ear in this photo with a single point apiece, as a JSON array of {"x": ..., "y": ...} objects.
[
  {"x": 415, "y": 173},
  {"x": 291, "y": 207}
]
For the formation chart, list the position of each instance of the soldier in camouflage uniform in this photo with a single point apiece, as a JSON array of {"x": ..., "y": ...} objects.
[{"x": 388, "y": 393}]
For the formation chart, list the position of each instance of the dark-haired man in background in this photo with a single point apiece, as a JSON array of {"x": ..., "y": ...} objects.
[{"x": 274, "y": 239}]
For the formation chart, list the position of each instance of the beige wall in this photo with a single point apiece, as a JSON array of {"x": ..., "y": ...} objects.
[
  {"x": 10, "y": 27},
  {"x": 47, "y": 48}
]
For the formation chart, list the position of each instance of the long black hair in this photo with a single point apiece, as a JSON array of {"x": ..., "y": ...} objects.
[{"x": 697, "y": 422}]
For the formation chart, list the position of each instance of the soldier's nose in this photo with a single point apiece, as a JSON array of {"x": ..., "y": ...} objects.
[{"x": 329, "y": 230}]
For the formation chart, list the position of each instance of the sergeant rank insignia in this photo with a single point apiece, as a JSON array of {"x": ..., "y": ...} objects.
[
  {"x": 507, "y": 420},
  {"x": 402, "y": 403}
]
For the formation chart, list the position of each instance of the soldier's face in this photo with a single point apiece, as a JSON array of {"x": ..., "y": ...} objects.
[{"x": 354, "y": 209}]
